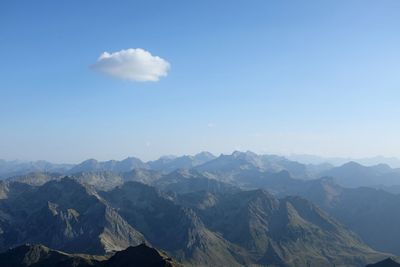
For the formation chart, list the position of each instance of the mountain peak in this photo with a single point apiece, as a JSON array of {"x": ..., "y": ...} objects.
[
  {"x": 90, "y": 161},
  {"x": 353, "y": 164},
  {"x": 204, "y": 156},
  {"x": 238, "y": 155},
  {"x": 141, "y": 255}
]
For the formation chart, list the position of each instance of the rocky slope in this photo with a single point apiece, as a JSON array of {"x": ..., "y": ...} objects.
[
  {"x": 63, "y": 215},
  {"x": 286, "y": 232}
]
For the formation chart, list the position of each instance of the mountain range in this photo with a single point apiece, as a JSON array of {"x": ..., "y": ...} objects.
[
  {"x": 241, "y": 209},
  {"x": 223, "y": 168},
  {"x": 197, "y": 228}
]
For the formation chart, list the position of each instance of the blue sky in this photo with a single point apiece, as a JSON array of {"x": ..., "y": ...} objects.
[{"x": 315, "y": 77}]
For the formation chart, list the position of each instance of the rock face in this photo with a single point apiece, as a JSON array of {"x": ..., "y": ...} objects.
[{"x": 39, "y": 255}]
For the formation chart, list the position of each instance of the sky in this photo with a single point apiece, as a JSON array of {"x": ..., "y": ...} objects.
[{"x": 111, "y": 79}]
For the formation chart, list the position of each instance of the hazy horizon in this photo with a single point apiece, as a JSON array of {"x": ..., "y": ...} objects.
[{"x": 302, "y": 158}]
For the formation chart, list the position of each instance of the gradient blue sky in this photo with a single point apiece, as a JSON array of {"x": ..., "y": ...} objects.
[{"x": 316, "y": 77}]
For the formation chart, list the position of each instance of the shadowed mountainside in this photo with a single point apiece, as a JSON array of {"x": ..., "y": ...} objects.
[
  {"x": 389, "y": 262},
  {"x": 41, "y": 256}
]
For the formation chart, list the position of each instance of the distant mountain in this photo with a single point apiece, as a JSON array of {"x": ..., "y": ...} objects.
[
  {"x": 314, "y": 159},
  {"x": 277, "y": 163},
  {"x": 35, "y": 178},
  {"x": 169, "y": 164},
  {"x": 394, "y": 189},
  {"x": 273, "y": 181},
  {"x": 353, "y": 174},
  {"x": 103, "y": 180},
  {"x": 203, "y": 157},
  {"x": 145, "y": 176},
  {"x": 41, "y": 256},
  {"x": 222, "y": 167},
  {"x": 16, "y": 168},
  {"x": 226, "y": 167},
  {"x": 391, "y": 161},
  {"x": 179, "y": 181},
  {"x": 93, "y": 165},
  {"x": 163, "y": 164},
  {"x": 64, "y": 215},
  {"x": 185, "y": 181},
  {"x": 337, "y": 161}
]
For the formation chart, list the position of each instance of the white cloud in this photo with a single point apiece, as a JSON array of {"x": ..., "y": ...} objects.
[{"x": 132, "y": 64}]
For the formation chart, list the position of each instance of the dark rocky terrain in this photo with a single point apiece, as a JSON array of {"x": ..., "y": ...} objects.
[
  {"x": 63, "y": 215},
  {"x": 389, "y": 262},
  {"x": 41, "y": 256}
]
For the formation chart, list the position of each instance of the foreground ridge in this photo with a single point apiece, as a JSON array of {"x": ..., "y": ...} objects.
[
  {"x": 39, "y": 255},
  {"x": 389, "y": 262}
]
